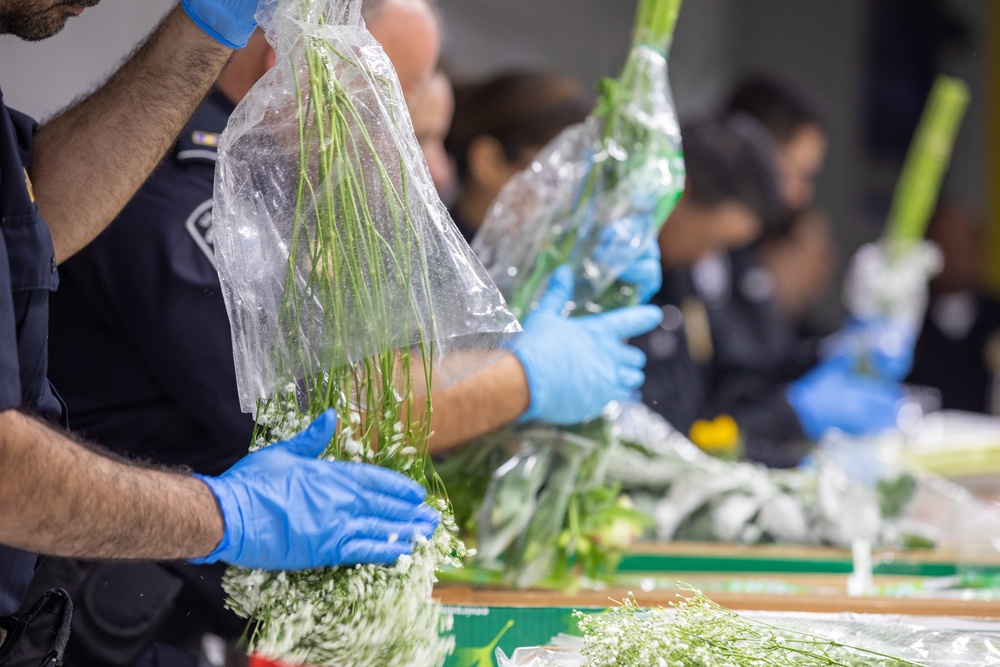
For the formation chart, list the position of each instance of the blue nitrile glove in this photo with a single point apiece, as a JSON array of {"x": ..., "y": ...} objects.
[
  {"x": 832, "y": 396},
  {"x": 880, "y": 346},
  {"x": 646, "y": 272},
  {"x": 623, "y": 250},
  {"x": 576, "y": 366},
  {"x": 285, "y": 510},
  {"x": 229, "y": 22}
]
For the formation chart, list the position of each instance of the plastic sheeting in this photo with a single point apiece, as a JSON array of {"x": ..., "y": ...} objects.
[
  {"x": 931, "y": 642},
  {"x": 332, "y": 242}
]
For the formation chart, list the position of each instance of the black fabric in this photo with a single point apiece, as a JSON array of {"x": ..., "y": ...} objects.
[
  {"x": 754, "y": 355},
  {"x": 757, "y": 354},
  {"x": 961, "y": 367},
  {"x": 119, "y": 607},
  {"x": 38, "y": 638},
  {"x": 144, "y": 301},
  {"x": 27, "y": 275},
  {"x": 676, "y": 386}
]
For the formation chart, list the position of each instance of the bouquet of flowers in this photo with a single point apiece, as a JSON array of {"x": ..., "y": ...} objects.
[
  {"x": 594, "y": 199},
  {"x": 886, "y": 282},
  {"x": 349, "y": 287},
  {"x": 596, "y": 195}
]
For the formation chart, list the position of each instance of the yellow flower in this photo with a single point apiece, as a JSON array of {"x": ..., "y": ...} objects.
[{"x": 721, "y": 436}]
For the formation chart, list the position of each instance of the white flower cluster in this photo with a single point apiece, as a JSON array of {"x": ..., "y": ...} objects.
[
  {"x": 696, "y": 632},
  {"x": 365, "y": 616}
]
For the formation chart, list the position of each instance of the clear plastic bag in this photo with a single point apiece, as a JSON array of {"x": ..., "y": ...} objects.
[
  {"x": 348, "y": 287},
  {"x": 325, "y": 135},
  {"x": 692, "y": 495},
  {"x": 594, "y": 197},
  {"x": 524, "y": 508},
  {"x": 889, "y": 282}
]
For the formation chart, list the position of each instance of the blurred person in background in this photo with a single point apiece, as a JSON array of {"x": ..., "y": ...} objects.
[
  {"x": 173, "y": 395},
  {"x": 432, "y": 113},
  {"x": 724, "y": 347},
  {"x": 958, "y": 351},
  {"x": 499, "y": 126},
  {"x": 796, "y": 121},
  {"x": 800, "y": 256},
  {"x": 730, "y": 193},
  {"x": 765, "y": 375}
]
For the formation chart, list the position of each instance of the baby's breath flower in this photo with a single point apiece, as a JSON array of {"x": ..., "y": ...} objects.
[{"x": 696, "y": 632}]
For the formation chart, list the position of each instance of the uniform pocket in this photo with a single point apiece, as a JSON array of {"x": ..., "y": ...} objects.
[{"x": 30, "y": 253}]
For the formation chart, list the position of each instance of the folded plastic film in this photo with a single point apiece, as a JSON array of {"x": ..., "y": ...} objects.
[{"x": 333, "y": 245}]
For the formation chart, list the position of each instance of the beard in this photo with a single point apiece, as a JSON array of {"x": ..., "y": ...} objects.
[{"x": 30, "y": 24}]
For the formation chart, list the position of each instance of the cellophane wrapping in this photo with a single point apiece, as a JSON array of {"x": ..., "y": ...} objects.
[
  {"x": 593, "y": 198},
  {"x": 929, "y": 642},
  {"x": 325, "y": 135},
  {"x": 348, "y": 287}
]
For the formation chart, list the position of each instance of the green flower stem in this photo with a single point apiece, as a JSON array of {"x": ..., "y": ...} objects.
[{"x": 917, "y": 191}]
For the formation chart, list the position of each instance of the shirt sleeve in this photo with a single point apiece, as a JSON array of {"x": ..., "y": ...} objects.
[{"x": 10, "y": 375}]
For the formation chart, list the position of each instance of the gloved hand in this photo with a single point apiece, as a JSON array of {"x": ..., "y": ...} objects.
[
  {"x": 284, "y": 509},
  {"x": 629, "y": 251},
  {"x": 229, "y": 22},
  {"x": 879, "y": 347},
  {"x": 883, "y": 283},
  {"x": 576, "y": 366},
  {"x": 831, "y": 396}
]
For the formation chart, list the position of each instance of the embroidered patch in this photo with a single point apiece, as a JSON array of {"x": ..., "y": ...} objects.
[
  {"x": 205, "y": 138},
  {"x": 199, "y": 226}
]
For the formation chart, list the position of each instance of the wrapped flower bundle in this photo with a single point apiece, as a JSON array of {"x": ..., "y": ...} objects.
[
  {"x": 349, "y": 287},
  {"x": 887, "y": 281},
  {"x": 596, "y": 195},
  {"x": 594, "y": 198}
]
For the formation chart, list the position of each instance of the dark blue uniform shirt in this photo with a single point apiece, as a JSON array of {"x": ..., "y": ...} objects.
[
  {"x": 140, "y": 340},
  {"x": 27, "y": 276},
  {"x": 723, "y": 348},
  {"x": 757, "y": 354}
]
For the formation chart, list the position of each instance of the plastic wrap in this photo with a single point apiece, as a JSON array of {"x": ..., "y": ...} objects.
[
  {"x": 930, "y": 642},
  {"x": 594, "y": 197},
  {"x": 348, "y": 287},
  {"x": 540, "y": 656},
  {"x": 523, "y": 512},
  {"x": 889, "y": 282},
  {"x": 332, "y": 242},
  {"x": 848, "y": 492}
]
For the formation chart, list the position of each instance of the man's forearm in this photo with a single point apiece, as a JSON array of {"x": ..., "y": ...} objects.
[
  {"x": 89, "y": 160},
  {"x": 59, "y": 498},
  {"x": 490, "y": 399}
]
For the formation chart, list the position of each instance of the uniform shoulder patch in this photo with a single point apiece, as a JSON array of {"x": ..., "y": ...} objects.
[
  {"x": 199, "y": 226},
  {"x": 199, "y": 140}
]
